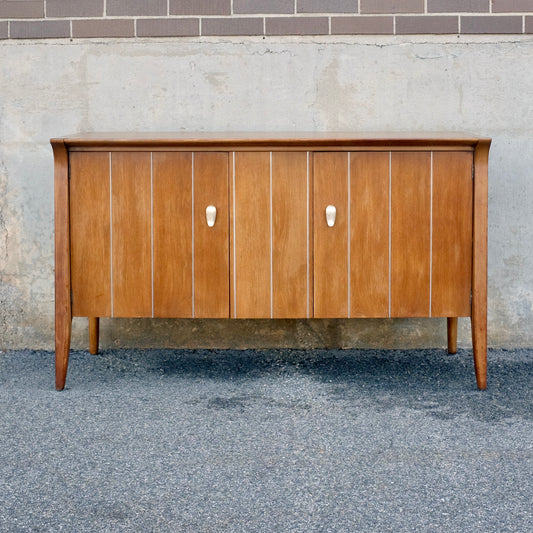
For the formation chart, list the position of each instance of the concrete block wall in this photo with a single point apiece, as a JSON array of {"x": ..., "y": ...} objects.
[{"x": 279, "y": 65}]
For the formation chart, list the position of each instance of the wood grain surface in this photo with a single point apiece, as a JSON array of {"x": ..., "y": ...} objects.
[
  {"x": 452, "y": 234},
  {"x": 290, "y": 235},
  {"x": 131, "y": 234},
  {"x": 211, "y": 244},
  {"x": 369, "y": 233},
  {"x": 90, "y": 234},
  {"x": 330, "y": 243},
  {"x": 410, "y": 234},
  {"x": 251, "y": 220},
  {"x": 172, "y": 234}
]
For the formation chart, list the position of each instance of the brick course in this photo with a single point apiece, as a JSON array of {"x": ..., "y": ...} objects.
[
  {"x": 458, "y": 6},
  {"x": 37, "y": 19},
  {"x": 75, "y": 8}
]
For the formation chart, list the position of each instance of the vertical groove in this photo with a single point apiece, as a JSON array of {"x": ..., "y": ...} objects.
[
  {"x": 152, "y": 225},
  {"x": 349, "y": 235},
  {"x": 431, "y": 235},
  {"x": 307, "y": 204},
  {"x": 234, "y": 247},
  {"x": 192, "y": 226},
  {"x": 111, "y": 231},
  {"x": 390, "y": 228},
  {"x": 271, "y": 239}
]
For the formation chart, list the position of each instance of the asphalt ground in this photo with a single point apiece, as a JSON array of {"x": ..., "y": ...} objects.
[{"x": 266, "y": 441}]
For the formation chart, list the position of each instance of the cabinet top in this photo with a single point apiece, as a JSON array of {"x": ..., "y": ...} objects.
[{"x": 228, "y": 140}]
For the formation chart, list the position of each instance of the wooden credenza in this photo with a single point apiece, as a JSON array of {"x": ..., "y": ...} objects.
[{"x": 271, "y": 226}]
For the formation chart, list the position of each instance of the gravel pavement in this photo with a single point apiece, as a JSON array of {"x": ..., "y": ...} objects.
[{"x": 266, "y": 441}]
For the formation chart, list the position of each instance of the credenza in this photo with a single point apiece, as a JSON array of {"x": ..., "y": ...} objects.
[{"x": 264, "y": 225}]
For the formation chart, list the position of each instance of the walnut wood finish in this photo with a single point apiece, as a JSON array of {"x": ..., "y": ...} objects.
[
  {"x": 90, "y": 232},
  {"x": 290, "y": 237},
  {"x": 131, "y": 234},
  {"x": 63, "y": 310},
  {"x": 410, "y": 234},
  {"x": 211, "y": 245},
  {"x": 452, "y": 234},
  {"x": 172, "y": 234},
  {"x": 133, "y": 256},
  {"x": 369, "y": 234},
  {"x": 251, "y": 231},
  {"x": 94, "y": 333},
  {"x": 479, "y": 263},
  {"x": 330, "y": 243},
  {"x": 452, "y": 334}
]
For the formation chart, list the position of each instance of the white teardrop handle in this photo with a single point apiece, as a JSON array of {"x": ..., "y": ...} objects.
[
  {"x": 331, "y": 215},
  {"x": 211, "y": 215}
]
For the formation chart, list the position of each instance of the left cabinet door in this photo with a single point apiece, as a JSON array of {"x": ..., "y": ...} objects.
[
  {"x": 140, "y": 242},
  {"x": 90, "y": 233}
]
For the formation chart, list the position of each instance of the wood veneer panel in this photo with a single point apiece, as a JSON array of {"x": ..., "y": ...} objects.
[
  {"x": 369, "y": 233},
  {"x": 90, "y": 234},
  {"x": 211, "y": 253},
  {"x": 172, "y": 234},
  {"x": 330, "y": 243},
  {"x": 131, "y": 234},
  {"x": 452, "y": 234},
  {"x": 251, "y": 227},
  {"x": 410, "y": 235},
  {"x": 290, "y": 235}
]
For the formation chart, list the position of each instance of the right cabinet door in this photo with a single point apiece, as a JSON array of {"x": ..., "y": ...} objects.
[{"x": 401, "y": 242}]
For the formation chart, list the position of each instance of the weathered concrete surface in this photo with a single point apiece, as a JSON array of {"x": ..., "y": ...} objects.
[{"x": 48, "y": 89}]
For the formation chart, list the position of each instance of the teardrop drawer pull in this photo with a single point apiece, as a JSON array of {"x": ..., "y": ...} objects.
[
  {"x": 331, "y": 215},
  {"x": 211, "y": 215}
]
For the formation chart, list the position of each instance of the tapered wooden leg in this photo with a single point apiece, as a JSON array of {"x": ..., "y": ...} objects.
[
  {"x": 479, "y": 343},
  {"x": 63, "y": 331},
  {"x": 452, "y": 334},
  {"x": 63, "y": 311},
  {"x": 94, "y": 333},
  {"x": 479, "y": 263}
]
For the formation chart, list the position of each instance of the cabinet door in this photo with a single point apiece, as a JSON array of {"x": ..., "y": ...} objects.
[
  {"x": 401, "y": 245},
  {"x": 270, "y": 223},
  {"x": 90, "y": 233},
  {"x": 140, "y": 242},
  {"x": 191, "y": 263}
]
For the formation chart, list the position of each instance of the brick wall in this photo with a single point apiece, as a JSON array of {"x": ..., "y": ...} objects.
[{"x": 40, "y": 19}]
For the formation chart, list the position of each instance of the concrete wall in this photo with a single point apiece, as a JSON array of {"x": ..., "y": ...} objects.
[{"x": 56, "y": 87}]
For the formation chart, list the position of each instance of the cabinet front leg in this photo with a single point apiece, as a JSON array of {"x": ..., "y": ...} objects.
[
  {"x": 63, "y": 332},
  {"x": 452, "y": 334},
  {"x": 479, "y": 343},
  {"x": 94, "y": 334}
]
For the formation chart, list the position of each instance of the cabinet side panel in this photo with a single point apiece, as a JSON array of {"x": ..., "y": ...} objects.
[
  {"x": 211, "y": 262},
  {"x": 369, "y": 245},
  {"x": 330, "y": 243},
  {"x": 172, "y": 234},
  {"x": 411, "y": 231},
  {"x": 131, "y": 227},
  {"x": 452, "y": 234},
  {"x": 252, "y": 235},
  {"x": 289, "y": 235},
  {"x": 90, "y": 234}
]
